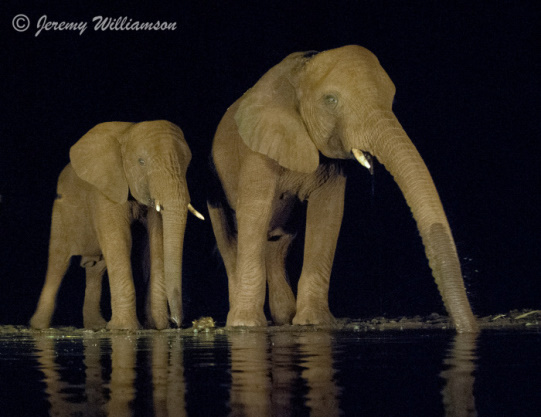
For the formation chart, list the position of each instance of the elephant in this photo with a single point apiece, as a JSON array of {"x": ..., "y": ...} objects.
[
  {"x": 120, "y": 172},
  {"x": 285, "y": 141}
]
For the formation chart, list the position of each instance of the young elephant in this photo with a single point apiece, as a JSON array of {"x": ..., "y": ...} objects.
[
  {"x": 281, "y": 142},
  {"x": 120, "y": 172}
]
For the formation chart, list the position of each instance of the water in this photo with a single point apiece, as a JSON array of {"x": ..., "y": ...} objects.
[{"x": 275, "y": 372}]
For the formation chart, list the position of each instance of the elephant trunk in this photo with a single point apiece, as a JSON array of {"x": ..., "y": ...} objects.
[
  {"x": 174, "y": 224},
  {"x": 393, "y": 148},
  {"x": 171, "y": 199}
]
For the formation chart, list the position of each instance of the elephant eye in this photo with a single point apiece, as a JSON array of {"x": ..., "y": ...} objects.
[
  {"x": 141, "y": 161},
  {"x": 330, "y": 100}
]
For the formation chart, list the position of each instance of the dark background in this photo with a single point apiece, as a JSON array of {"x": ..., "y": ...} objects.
[{"x": 467, "y": 94}]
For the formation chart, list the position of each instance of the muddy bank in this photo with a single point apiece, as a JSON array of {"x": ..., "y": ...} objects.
[{"x": 516, "y": 320}]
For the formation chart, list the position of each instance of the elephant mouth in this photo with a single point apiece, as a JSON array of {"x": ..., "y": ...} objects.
[{"x": 364, "y": 158}]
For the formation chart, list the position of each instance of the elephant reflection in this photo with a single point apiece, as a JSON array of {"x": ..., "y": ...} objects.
[
  {"x": 166, "y": 367},
  {"x": 121, "y": 172},
  {"x": 122, "y": 383},
  {"x": 263, "y": 378},
  {"x": 113, "y": 396},
  {"x": 271, "y": 374},
  {"x": 251, "y": 384},
  {"x": 265, "y": 370},
  {"x": 457, "y": 394},
  {"x": 282, "y": 142},
  {"x": 169, "y": 387},
  {"x": 57, "y": 389},
  {"x": 121, "y": 387},
  {"x": 317, "y": 352}
]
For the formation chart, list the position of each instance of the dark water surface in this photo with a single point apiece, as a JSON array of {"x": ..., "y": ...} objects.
[{"x": 69, "y": 372}]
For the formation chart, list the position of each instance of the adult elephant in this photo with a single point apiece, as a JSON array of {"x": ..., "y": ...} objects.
[
  {"x": 119, "y": 172},
  {"x": 281, "y": 142}
]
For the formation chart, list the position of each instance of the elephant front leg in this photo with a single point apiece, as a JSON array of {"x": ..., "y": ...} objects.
[
  {"x": 114, "y": 236},
  {"x": 254, "y": 205},
  {"x": 94, "y": 270},
  {"x": 323, "y": 220}
]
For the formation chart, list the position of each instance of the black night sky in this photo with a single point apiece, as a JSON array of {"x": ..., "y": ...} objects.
[{"x": 467, "y": 79}]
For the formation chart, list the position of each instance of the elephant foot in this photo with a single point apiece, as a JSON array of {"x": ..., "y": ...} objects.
[
  {"x": 94, "y": 323},
  {"x": 40, "y": 322},
  {"x": 283, "y": 317},
  {"x": 282, "y": 303},
  {"x": 249, "y": 318},
  {"x": 282, "y": 311},
  {"x": 126, "y": 324},
  {"x": 158, "y": 322},
  {"x": 314, "y": 315}
]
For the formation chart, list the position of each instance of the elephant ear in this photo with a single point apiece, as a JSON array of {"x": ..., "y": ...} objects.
[
  {"x": 269, "y": 122},
  {"x": 97, "y": 159}
]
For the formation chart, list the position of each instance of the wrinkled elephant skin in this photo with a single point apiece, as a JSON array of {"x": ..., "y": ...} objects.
[
  {"x": 282, "y": 142},
  {"x": 120, "y": 172}
]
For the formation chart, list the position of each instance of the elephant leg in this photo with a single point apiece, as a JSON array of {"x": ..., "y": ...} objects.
[
  {"x": 94, "y": 270},
  {"x": 114, "y": 237},
  {"x": 256, "y": 192},
  {"x": 55, "y": 273},
  {"x": 226, "y": 241},
  {"x": 58, "y": 263},
  {"x": 323, "y": 220},
  {"x": 281, "y": 298},
  {"x": 157, "y": 315}
]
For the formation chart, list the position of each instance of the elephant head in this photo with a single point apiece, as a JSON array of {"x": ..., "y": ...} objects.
[
  {"x": 147, "y": 162},
  {"x": 339, "y": 103}
]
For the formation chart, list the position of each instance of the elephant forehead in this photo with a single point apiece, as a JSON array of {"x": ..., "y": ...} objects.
[
  {"x": 145, "y": 133},
  {"x": 343, "y": 67},
  {"x": 154, "y": 127},
  {"x": 349, "y": 54},
  {"x": 162, "y": 140}
]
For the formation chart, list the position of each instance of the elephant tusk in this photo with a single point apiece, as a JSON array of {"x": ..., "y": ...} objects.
[
  {"x": 195, "y": 212},
  {"x": 157, "y": 206},
  {"x": 361, "y": 158}
]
